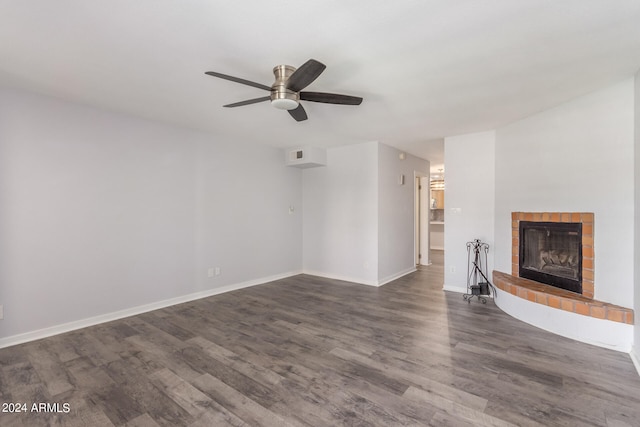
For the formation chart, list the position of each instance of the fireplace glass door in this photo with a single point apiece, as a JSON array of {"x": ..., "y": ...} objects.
[{"x": 551, "y": 253}]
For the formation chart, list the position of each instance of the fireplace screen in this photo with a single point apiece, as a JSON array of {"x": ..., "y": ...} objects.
[{"x": 551, "y": 253}]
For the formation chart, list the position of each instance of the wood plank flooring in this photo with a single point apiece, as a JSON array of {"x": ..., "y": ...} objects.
[{"x": 312, "y": 351}]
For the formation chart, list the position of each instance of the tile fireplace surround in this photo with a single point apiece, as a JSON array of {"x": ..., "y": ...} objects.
[{"x": 549, "y": 295}]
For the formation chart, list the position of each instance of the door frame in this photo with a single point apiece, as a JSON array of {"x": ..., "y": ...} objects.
[{"x": 421, "y": 203}]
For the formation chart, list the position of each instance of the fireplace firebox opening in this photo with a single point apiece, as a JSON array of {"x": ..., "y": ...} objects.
[{"x": 551, "y": 253}]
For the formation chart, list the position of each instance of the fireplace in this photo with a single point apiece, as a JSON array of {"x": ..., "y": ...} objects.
[
  {"x": 584, "y": 271},
  {"x": 558, "y": 256},
  {"x": 551, "y": 253}
]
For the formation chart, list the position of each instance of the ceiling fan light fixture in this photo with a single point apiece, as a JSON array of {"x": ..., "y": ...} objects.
[
  {"x": 286, "y": 91},
  {"x": 284, "y": 103},
  {"x": 281, "y": 97}
]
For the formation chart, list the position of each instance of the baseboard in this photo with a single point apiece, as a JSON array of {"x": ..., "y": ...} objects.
[
  {"x": 376, "y": 283},
  {"x": 396, "y": 276},
  {"x": 108, "y": 317},
  {"x": 458, "y": 289},
  {"x": 635, "y": 359},
  {"x": 357, "y": 280}
]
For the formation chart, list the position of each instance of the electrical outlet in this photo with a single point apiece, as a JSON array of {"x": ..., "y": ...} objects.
[
  {"x": 210, "y": 272},
  {"x": 452, "y": 269},
  {"x": 217, "y": 271}
]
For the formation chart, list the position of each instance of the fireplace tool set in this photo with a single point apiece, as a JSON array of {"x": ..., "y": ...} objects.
[{"x": 477, "y": 282}]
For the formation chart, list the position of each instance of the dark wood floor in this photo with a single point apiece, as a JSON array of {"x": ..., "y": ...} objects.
[{"x": 312, "y": 351}]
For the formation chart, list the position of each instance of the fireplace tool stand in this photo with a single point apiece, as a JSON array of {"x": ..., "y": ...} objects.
[{"x": 477, "y": 283}]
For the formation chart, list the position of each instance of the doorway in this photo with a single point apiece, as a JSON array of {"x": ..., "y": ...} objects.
[{"x": 421, "y": 204}]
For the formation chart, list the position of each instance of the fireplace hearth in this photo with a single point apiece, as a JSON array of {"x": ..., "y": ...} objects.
[{"x": 551, "y": 253}]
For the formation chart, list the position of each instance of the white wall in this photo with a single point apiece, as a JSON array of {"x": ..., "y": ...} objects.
[
  {"x": 396, "y": 213},
  {"x": 601, "y": 332},
  {"x": 577, "y": 157},
  {"x": 469, "y": 202},
  {"x": 340, "y": 210},
  {"x": 103, "y": 212}
]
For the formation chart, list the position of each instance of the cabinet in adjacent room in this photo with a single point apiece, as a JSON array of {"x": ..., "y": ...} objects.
[{"x": 437, "y": 199}]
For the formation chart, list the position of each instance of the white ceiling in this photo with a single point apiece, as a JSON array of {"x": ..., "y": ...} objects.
[{"x": 426, "y": 69}]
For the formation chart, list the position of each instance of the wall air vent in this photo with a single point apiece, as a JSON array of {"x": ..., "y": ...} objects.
[{"x": 305, "y": 157}]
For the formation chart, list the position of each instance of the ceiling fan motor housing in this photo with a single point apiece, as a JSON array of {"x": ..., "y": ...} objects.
[
  {"x": 287, "y": 90},
  {"x": 281, "y": 97}
]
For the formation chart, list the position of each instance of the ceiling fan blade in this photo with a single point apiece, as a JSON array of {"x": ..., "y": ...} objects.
[
  {"x": 330, "y": 98},
  {"x": 298, "y": 113},
  {"x": 248, "y": 101},
  {"x": 303, "y": 76},
  {"x": 238, "y": 80}
]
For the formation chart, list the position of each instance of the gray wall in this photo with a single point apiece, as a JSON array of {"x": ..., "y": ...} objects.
[
  {"x": 358, "y": 220},
  {"x": 341, "y": 215},
  {"x": 102, "y": 212},
  {"x": 636, "y": 275},
  {"x": 396, "y": 225}
]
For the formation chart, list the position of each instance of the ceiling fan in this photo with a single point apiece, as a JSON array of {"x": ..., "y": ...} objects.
[{"x": 286, "y": 91}]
